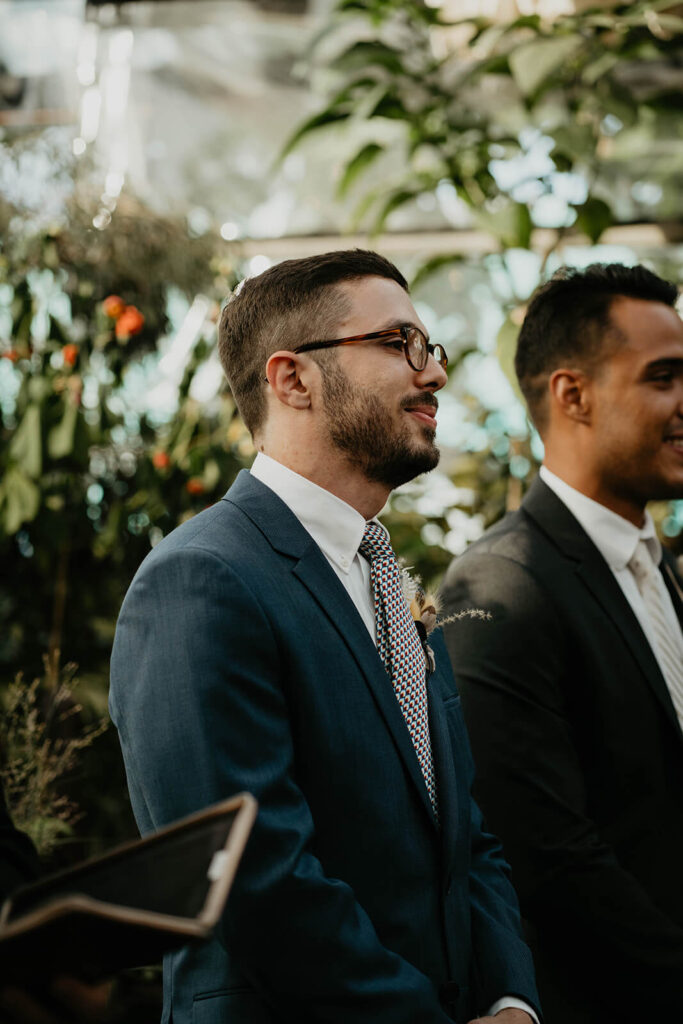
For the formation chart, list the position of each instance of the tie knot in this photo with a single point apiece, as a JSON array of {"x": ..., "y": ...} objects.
[
  {"x": 640, "y": 563},
  {"x": 375, "y": 543}
]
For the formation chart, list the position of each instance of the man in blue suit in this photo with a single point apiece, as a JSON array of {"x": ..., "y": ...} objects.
[{"x": 246, "y": 658}]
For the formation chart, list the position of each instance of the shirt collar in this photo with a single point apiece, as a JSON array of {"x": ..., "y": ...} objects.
[
  {"x": 615, "y": 537},
  {"x": 335, "y": 526}
]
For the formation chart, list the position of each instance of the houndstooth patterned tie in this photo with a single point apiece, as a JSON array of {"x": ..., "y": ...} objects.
[{"x": 399, "y": 646}]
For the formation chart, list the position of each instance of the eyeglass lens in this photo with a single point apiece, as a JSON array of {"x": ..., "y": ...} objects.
[
  {"x": 418, "y": 350},
  {"x": 416, "y": 344}
]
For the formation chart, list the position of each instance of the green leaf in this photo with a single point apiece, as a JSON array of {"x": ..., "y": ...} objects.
[
  {"x": 506, "y": 346},
  {"x": 355, "y": 167},
  {"x": 532, "y": 63},
  {"x": 600, "y": 67},
  {"x": 390, "y": 107},
  {"x": 511, "y": 223},
  {"x": 60, "y": 441},
  {"x": 574, "y": 141},
  {"x": 398, "y": 198},
  {"x": 366, "y": 53},
  {"x": 432, "y": 266},
  {"x": 19, "y": 499},
  {"x": 26, "y": 447},
  {"x": 593, "y": 218},
  {"x": 314, "y": 124}
]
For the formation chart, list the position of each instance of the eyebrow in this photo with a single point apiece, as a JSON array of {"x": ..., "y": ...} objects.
[
  {"x": 666, "y": 363},
  {"x": 394, "y": 324}
]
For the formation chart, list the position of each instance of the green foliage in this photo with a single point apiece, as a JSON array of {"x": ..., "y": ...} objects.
[
  {"x": 89, "y": 479},
  {"x": 91, "y": 475},
  {"x": 601, "y": 88}
]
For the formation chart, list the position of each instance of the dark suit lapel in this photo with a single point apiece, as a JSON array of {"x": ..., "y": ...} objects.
[
  {"x": 673, "y": 585},
  {"x": 563, "y": 530},
  {"x": 286, "y": 534},
  {"x": 445, "y": 760}
]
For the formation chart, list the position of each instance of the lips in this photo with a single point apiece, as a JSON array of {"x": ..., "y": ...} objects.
[
  {"x": 675, "y": 438},
  {"x": 425, "y": 415},
  {"x": 423, "y": 409}
]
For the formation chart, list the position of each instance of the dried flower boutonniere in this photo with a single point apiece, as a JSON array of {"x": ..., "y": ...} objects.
[{"x": 425, "y": 608}]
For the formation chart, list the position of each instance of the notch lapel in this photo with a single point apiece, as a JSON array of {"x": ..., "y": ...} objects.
[
  {"x": 673, "y": 585},
  {"x": 445, "y": 761},
  {"x": 329, "y": 593},
  {"x": 565, "y": 532},
  {"x": 285, "y": 534}
]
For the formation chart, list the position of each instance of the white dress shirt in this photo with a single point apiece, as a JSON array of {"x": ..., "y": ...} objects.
[
  {"x": 338, "y": 529},
  {"x": 616, "y": 539},
  {"x": 335, "y": 526}
]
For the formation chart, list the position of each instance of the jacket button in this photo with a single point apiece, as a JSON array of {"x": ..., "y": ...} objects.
[{"x": 448, "y": 997}]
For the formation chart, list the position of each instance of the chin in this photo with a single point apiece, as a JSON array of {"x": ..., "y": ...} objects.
[{"x": 404, "y": 467}]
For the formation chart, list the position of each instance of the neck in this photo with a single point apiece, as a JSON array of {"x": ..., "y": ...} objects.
[
  {"x": 575, "y": 474},
  {"x": 334, "y": 473}
]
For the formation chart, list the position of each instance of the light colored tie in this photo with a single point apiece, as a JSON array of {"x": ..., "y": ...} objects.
[
  {"x": 399, "y": 646},
  {"x": 665, "y": 630}
]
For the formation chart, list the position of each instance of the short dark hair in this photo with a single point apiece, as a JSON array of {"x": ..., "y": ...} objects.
[
  {"x": 290, "y": 304},
  {"x": 568, "y": 322}
]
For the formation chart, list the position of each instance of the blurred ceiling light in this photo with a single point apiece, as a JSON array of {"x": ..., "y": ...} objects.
[
  {"x": 174, "y": 360},
  {"x": 113, "y": 183},
  {"x": 39, "y": 38},
  {"x": 91, "y": 103},
  {"x": 230, "y": 231},
  {"x": 87, "y": 55}
]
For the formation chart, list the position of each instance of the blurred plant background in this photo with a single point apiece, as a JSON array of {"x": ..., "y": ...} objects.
[{"x": 163, "y": 151}]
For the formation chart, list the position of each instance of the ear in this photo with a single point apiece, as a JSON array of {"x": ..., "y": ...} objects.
[
  {"x": 289, "y": 378},
  {"x": 570, "y": 394}
]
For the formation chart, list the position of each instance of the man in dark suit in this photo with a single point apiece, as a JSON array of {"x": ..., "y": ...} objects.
[
  {"x": 573, "y": 691},
  {"x": 246, "y": 659}
]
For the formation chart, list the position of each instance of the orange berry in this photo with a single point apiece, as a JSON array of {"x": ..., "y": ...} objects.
[
  {"x": 161, "y": 460},
  {"x": 195, "y": 485},
  {"x": 70, "y": 354},
  {"x": 129, "y": 323},
  {"x": 113, "y": 306}
]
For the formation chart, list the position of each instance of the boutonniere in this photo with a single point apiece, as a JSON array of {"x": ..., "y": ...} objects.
[{"x": 424, "y": 608}]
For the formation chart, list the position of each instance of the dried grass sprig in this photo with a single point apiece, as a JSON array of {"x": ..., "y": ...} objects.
[{"x": 41, "y": 741}]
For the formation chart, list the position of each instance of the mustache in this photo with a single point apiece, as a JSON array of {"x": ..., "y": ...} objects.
[{"x": 425, "y": 399}]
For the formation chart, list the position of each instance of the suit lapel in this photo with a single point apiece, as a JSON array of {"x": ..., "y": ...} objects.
[
  {"x": 565, "y": 532},
  {"x": 333, "y": 600},
  {"x": 286, "y": 535},
  {"x": 673, "y": 585},
  {"x": 445, "y": 760}
]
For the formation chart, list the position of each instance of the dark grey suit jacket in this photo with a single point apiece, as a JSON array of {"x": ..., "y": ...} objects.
[{"x": 579, "y": 757}]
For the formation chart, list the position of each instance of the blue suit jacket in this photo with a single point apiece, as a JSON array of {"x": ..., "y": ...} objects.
[{"x": 240, "y": 663}]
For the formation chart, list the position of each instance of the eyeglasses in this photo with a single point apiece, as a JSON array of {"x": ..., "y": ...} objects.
[{"x": 416, "y": 348}]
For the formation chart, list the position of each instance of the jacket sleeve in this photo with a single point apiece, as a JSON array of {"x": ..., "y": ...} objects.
[
  {"x": 512, "y": 673},
  {"x": 198, "y": 698}
]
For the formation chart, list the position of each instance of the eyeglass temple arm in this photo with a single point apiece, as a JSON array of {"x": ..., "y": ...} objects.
[
  {"x": 347, "y": 341},
  {"x": 309, "y": 346}
]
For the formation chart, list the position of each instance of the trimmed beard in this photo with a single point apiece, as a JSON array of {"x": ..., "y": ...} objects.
[{"x": 362, "y": 427}]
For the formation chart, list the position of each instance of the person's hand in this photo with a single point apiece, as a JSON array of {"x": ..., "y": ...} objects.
[
  {"x": 65, "y": 1000},
  {"x": 509, "y": 1016}
]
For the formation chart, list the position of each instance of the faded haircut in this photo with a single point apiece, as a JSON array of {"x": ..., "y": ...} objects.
[
  {"x": 292, "y": 303},
  {"x": 568, "y": 323}
]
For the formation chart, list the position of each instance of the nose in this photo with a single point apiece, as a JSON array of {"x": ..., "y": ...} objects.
[{"x": 433, "y": 377}]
